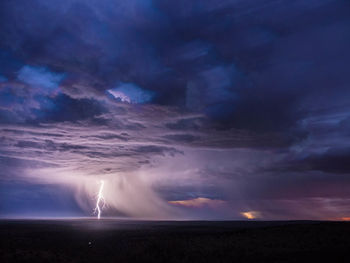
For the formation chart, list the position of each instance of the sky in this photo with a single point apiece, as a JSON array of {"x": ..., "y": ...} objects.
[{"x": 215, "y": 110}]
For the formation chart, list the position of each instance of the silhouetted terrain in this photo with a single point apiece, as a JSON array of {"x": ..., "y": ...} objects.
[{"x": 132, "y": 241}]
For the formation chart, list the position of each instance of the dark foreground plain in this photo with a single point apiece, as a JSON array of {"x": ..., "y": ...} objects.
[{"x": 83, "y": 240}]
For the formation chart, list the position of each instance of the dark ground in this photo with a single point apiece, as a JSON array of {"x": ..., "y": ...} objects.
[{"x": 136, "y": 241}]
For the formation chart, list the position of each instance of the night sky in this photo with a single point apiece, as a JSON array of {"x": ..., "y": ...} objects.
[{"x": 208, "y": 109}]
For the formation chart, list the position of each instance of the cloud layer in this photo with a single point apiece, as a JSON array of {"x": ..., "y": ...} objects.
[{"x": 239, "y": 107}]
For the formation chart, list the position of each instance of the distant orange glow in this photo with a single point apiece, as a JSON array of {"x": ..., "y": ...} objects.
[
  {"x": 344, "y": 218},
  {"x": 198, "y": 202},
  {"x": 251, "y": 214}
]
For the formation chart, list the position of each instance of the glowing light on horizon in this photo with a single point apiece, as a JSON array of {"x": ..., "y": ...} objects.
[
  {"x": 251, "y": 214},
  {"x": 344, "y": 218},
  {"x": 100, "y": 200}
]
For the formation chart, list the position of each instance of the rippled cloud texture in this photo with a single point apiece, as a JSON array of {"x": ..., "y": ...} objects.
[{"x": 186, "y": 109}]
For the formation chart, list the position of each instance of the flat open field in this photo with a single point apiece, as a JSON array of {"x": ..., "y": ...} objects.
[{"x": 85, "y": 240}]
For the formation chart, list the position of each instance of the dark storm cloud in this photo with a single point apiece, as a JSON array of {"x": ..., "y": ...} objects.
[
  {"x": 242, "y": 64},
  {"x": 232, "y": 94},
  {"x": 332, "y": 161}
]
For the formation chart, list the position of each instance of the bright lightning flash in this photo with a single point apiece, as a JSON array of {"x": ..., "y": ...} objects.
[{"x": 100, "y": 201}]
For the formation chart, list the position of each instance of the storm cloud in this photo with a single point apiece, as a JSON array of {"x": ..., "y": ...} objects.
[{"x": 235, "y": 107}]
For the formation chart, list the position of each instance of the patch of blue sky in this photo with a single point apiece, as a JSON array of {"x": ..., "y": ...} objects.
[
  {"x": 40, "y": 77},
  {"x": 131, "y": 93}
]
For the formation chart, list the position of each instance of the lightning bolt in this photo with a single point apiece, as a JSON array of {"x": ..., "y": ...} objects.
[{"x": 100, "y": 199}]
